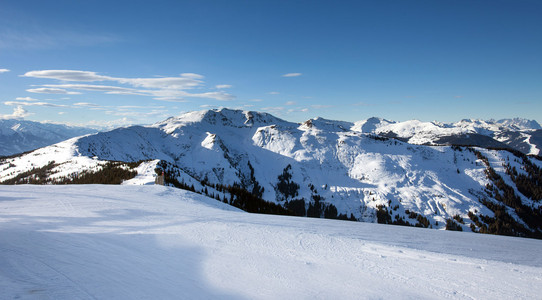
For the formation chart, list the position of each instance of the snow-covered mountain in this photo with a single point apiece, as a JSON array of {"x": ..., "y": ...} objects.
[
  {"x": 18, "y": 136},
  {"x": 154, "y": 242},
  {"x": 317, "y": 168},
  {"x": 519, "y": 124},
  {"x": 519, "y": 134}
]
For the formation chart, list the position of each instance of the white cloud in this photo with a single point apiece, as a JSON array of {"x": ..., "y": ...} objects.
[
  {"x": 22, "y": 103},
  {"x": 292, "y": 74},
  {"x": 4, "y": 70},
  {"x": 256, "y": 100},
  {"x": 26, "y": 99},
  {"x": 175, "y": 83},
  {"x": 51, "y": 91},
  {"x": 85, "y": 104},
  {"x": 185, "y": 81},
  {"x": 274, "y": 93},
  {"x": 223, "y": 86},
  {"x": 18, "y": 113},
  {"x": 290, "y": 103},
  {"x": 192, "y": 75},
  {"x": 66, "y": 75},
  {"x": 108, "y": 89},
  {"x": 161, "y": 88},
  {"x": 61, "y": 112}
]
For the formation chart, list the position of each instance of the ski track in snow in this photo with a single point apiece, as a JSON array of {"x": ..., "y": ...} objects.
[{"x": 154, "y": 242}]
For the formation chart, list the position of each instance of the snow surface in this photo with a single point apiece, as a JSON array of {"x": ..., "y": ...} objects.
[{"x": 154, "y": 242}]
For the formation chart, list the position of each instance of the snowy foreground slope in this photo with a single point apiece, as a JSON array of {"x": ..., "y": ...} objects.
[{"x": 153, "y": 242}]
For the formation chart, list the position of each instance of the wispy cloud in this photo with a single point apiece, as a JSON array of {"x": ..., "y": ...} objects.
[
  {"x": 26, "y": 99},
  {"x": 274, "y": 93},
  {"x": 297, "y": 110},
  {"x": 98, "y": 88},
  {"x": 161, "y": 88},
  {"x": 292, "y": 74},
  {"x": 86, "y": 104},
  {"x": 223, "y": 86},
  {"x": 18, "y": 113},
  {"x": 22, "y": 103},
  {"x": 51, "y": 91},
  {"x": 4, "y": 70},
  {"x": 290, "y": 103}
]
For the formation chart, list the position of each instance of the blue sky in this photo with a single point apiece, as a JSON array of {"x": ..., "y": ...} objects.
[{"x": 136, "y": 62}]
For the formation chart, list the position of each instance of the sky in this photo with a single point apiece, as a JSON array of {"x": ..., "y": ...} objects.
[{"x": 116, "y": 63}]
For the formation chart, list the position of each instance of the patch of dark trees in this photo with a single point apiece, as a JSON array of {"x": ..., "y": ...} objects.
[
  {"x": 384, "y": 216},
  {"x": 251, "y": 200},
  {"x": 502, "y": 223},
  {"x": 112, "y": 172},
  {"x": 237, "y": 196},
  {"x": 32, "y": 176}
]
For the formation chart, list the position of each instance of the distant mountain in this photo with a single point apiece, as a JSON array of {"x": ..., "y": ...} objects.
[
  {"x": 518, "y": 134},
  {"x": 320, "y": 168},
  {"x": 18, "y": 136},
  {"x": 519, "y": 124}
]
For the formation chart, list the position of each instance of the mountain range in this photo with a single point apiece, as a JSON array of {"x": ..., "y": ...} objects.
[
  {"x": 320, "y": 168},
  {"x": 18, "y": 136}
]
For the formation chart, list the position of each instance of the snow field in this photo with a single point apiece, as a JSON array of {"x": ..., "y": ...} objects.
[{"x": 143, "y": 242}]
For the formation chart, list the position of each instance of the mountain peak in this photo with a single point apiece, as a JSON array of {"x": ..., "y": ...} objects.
[
  {"x": 371, "y": 125},
  {"x": 327, "y": 125},
  {"x": 223, "y": 117}
]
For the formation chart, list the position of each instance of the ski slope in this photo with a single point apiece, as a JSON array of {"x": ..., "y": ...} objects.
[{"x": 155, "y": 242}]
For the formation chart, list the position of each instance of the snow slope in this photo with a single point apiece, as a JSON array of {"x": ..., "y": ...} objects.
[
  {"x": 18, "y": 136},
  {"x": 153, "y": 242}
]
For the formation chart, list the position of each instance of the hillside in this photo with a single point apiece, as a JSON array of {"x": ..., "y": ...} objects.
[
  {"x": 143, "y": 242},
  {"x": 320, "y": 168}
]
